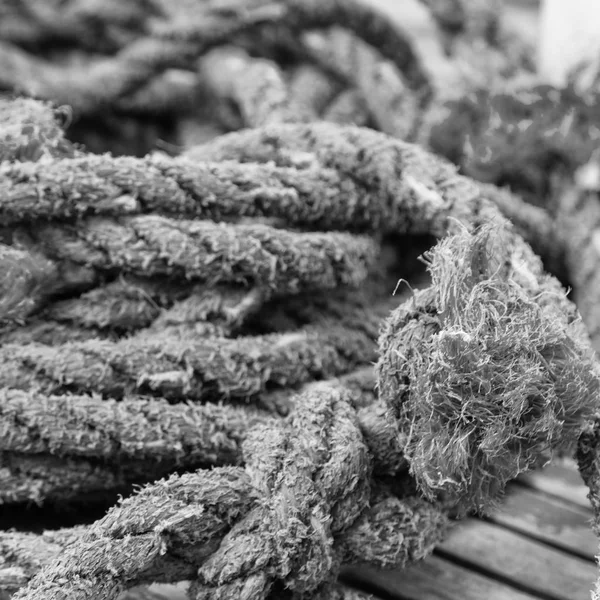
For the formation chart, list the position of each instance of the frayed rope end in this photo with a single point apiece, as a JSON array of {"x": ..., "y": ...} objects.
[{"x": 486, "y": 381}]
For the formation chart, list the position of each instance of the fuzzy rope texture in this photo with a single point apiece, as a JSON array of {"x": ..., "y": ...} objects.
[
  {"x": 414, "y": 193},
  {"x": 147, "y": 301},
  {"x": 326, "y": 485},
  {"x": 161, "y": 65}
]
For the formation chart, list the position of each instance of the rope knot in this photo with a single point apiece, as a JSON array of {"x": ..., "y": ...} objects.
[
  {"x": 486, "y": 378},
  {"x": 314, "y": 477}
]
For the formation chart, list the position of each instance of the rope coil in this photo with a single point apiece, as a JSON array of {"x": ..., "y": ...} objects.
[{"x": 213, "y": 317}]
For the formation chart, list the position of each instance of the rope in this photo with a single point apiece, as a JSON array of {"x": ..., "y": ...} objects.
[
  {"x": 419, "y": 194},
  {"x": 303, "y": 193},
  {"x": 325, "y": 489},
  {"x": 213, "y": 317}
]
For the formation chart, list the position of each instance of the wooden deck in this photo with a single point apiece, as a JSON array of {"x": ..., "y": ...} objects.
[{"x": 538, "y": 545}]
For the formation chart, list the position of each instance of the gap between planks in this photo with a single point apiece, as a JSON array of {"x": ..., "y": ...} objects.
[
  {"x": 560, "y": 479},
  {"x": 548, "y": 519},
  {"x": 433, "y": 579},
  {"x": 538, "y": 544},
  {"x": 519, "y": 561}
]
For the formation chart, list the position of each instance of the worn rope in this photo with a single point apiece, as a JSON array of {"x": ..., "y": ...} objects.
[
  {"x": 321, "y": 417},
  {"x": 303, "y": 193},
  {"x": 177, "y": 43},
  {"x": 331, "y": 479},
  {"x": 413, "y": 192},
  {"x": 139, "y": 438},
  {"x": 429, "y": 211},
  {"x": 303, "y": 558},
  {"x": 156, "y": 43}
]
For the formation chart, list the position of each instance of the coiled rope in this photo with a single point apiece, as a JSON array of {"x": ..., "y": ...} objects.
[{"x": 162, "y": 314}]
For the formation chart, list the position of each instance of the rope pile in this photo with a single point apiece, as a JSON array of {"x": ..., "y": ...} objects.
[{"x": 210, "y": 314}]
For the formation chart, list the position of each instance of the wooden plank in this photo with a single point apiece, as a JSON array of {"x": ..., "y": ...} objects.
[
  {"x": 529, "y": 565},
  {"x": 548, "y": 519},
  {"x": 561, "y": 480},
  {"x": 434, "y": 579}
]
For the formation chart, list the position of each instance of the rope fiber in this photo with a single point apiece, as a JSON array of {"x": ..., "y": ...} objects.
[{"x": 210, "y": 303}]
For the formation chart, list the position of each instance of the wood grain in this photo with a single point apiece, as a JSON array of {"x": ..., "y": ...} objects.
[
  {"x": 439, "y": 579},
  {"x": 526, "y": 563},
  {"x": 564, "y": 525},
  {"x": 561, "y": 480}
]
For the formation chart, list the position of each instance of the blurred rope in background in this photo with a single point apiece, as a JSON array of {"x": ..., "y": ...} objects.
[{"x": 180, "y": 302}]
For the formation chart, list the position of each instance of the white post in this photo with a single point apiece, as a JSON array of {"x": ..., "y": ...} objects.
[{"x": 569, "y": 40}]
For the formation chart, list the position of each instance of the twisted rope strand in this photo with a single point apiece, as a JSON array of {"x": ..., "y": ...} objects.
[
  {"x": 160, "y": 516},
  {"x": 37, "y": 479},
  {"x": 304, "y": 194},
  {"x": 160, "y": 533},
  {"x": 423, "y": 193},
  {"x": 125, "y": 306},
  {"x": 150, "y": 245},
  {"x": 25, "y": 277},
  {"x": 126, "y": 303},
  {"x": 135, "y": 429},
  {"x": 179, "y": 367},
  {"x": 142, "y": 435}
]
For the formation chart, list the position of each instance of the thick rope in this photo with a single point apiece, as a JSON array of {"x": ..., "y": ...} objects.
[
  {"x": 211, "y": 252},
  {"x": 326, "y": 500},
  {"x": 310, "y": 177},
  {"x": 433, "y": 195},
  {"x": 304, "y": 194},
  {"x": 441, "y": 381},
  {"x": 139, "y": 437},
  {"x": 322, "y": 493}
]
